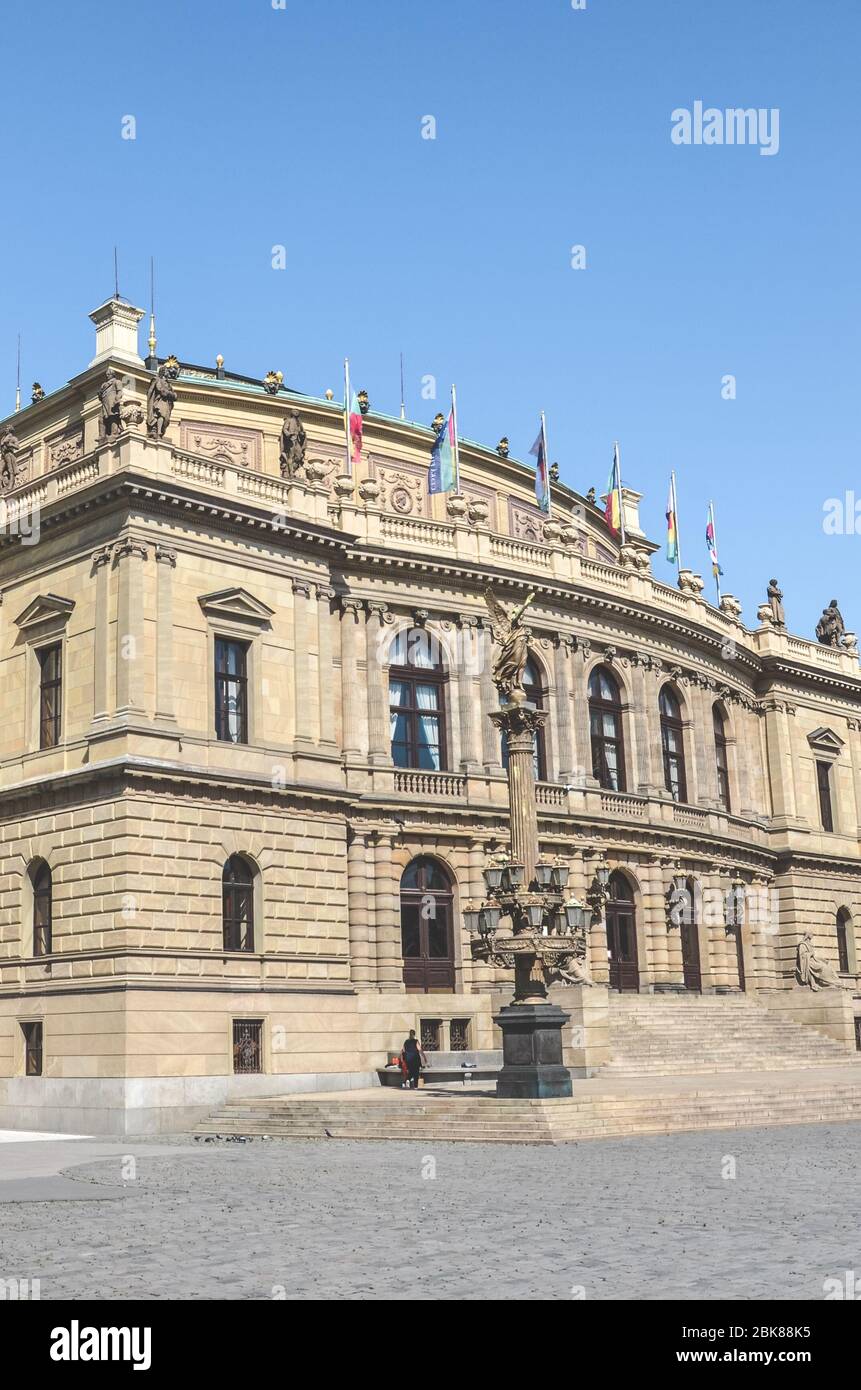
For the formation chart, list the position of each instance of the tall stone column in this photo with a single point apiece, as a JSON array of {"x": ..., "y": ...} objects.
[
  {"x": 101, "y": 564},
  {"x": 490, "y": 738},
  {"x": 303, "y": 696},
  {"x": 780, "y": 768},
  {"x": 564, "y": 714},
  {"x": 165, "y": 559},
  {"x": 644, "y": 714},
  {"x": 519, "y": 725},
  {"x": 360, "y": 905},
  {"x": 130, "y": 557},
  {"x": 379, "y": 738},
  {"x": 387, "y": 914},
  {"x": 351, "y": 613},
  {"x": 468, "y": 706},
  {"x": 582, "y": 730},
  {"x": 325, "y": 666}
]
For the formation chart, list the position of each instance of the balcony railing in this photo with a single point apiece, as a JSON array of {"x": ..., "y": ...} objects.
[{"x": 444, "y": 784}]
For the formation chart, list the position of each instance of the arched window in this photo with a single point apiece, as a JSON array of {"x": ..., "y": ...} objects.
[
  {"x": 42, "y": 910},
  {"x": 427, "y": 938},
  {"x": 605, "y": 723},
  {"x": 689, "y": 931},
  {"x": 533, "y": 687},
  {"x": 237, "y": 904},
  {"x": 672, "y": 745},
  {"x": 416, "y": 701},
  {"x": 844, "y": 926},
  {"x": 721, "y": 757}
]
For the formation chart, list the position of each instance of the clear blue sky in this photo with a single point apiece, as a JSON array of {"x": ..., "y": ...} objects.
[{"x": 258, "y": 126}]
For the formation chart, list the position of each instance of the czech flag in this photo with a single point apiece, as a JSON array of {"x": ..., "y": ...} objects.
[
  {"x": 542, "y": 479},
  {"x": 672, "y": 529},
  {"x": 613, "y": 506},
  {"x": 442, "y": 474},
  {"x": 355, "y": 430},
  {"x": 711, "y": 542}
]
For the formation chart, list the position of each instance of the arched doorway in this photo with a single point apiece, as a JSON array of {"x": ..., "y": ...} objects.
[
  {"x": 623, "y": 964},
  {"x": 427, "y": 937},
  {"x": 690, "y": 934}
]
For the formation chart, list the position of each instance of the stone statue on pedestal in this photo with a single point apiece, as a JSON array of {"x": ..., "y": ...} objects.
[
  {"x": 775, "y": 603},
  {"x": 810, "y": 970},
  {"x": 9, "y": 448},
  {"x": 830, "y": 630},
  {"x": 511, "y": 636},
  {"x": 111, "y": 398},
  {"x": 160, "y": 400},
  {"x": 293, "y": 438}
]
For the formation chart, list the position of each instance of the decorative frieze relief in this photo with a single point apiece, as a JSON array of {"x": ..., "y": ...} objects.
[
  {"x": 242, "y": 448},
  {"x": 402, "y": 489},
  {"x": 67, "y": 447}
]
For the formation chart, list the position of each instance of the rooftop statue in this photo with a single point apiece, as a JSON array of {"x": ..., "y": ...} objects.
[
  {"x": 160, "y": 400},
  {"x": 292, "y": 455},
  {"x": 511, "y": 636},
  {"x": 775, "y": 603},
  {"x": 830, "y": 630},
  {"x": 9, "y": 448},
  {"x": 111, "y": 398}
]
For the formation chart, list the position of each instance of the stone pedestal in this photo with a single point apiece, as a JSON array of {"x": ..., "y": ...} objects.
[{"x": 532, "y": 1067}]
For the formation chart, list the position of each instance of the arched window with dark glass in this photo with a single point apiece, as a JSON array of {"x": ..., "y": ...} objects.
[
  {"x": 672, "y": 744},
  {"x": 417, "y": 682},
  {"x": 42, "y": 910},
  {"x": 427, "y": 937},
  {"x": 533, "y": 687},
  {"x": 605, "y": 725},
  {"x": 721, "y": 758},
  {"x": 237, "y": 908},
  {"x": 844, "y": 921}
]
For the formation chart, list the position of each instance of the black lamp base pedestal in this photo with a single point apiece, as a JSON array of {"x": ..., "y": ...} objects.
[{"x": 532, "y": 1052}]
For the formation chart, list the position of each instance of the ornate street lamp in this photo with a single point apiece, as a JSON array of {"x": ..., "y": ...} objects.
[{"x": 544, "y": 936}]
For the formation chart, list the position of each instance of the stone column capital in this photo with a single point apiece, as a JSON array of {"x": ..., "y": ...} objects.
[
  {"x": 101, "y": 557},
  {"x": 325, "y": 594},
  {"x": 301, "y": 587},
  {"x": 352, "y": 608},
  {"x": 126, "y": 548},
  {"x": 165, "y": 555}
]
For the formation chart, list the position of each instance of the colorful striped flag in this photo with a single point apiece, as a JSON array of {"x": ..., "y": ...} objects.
[
  {"x": 442, "y": 474},
  {"x": 542, "y": 477},
  {"x": 711, "y": 542},
  {"x": 672, "y": 524},
  {"x": 613, "y": 506}
]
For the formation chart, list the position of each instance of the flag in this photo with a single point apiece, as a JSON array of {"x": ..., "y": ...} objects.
[
  {"x": 613, "y": 506},
  {"x": 442, "y": 474},
  {"x": 711, "y": 542},
  {"x": 542, "y": 478},
  {"x": 355, "y": 426},
  {"x": 672, "y": 528}
]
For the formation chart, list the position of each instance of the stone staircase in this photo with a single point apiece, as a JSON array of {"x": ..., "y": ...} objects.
[
  {"x": 690, "y": 1035},
  {"x": 439, "y": 1118}
]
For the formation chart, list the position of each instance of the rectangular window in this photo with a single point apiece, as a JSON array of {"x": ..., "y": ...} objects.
[
  {"x": 50, "y": 695},
  {"x": 858, "y": 1033},
  {"x": 247, "y": 1045},
  {"x": 231, "y": 691},
  {"x": 459, "y": 1034},
  {"x": 32, "y": 1048},
  {"x": 430, "y": 1032},
  {"x": 823, "y": 782}
]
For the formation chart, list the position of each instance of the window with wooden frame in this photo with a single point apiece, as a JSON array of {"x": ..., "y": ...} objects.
[
  {"x": 231, "y": 691},
  {"x": 50, "y": 694},
  {"x": 32, "y": 1048},
  {"x": 417, "y": 682},
  {"x": 672, "y": 744},
  {"x": 42, "y": 910},
  {"x": 237, "y": 884},
  {"x": 605, "y": 725}
]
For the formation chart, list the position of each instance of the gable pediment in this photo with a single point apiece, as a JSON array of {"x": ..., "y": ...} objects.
[
  {"x": 825, "y": 741},
  {"x": 236, "y": 606},
  {"x": 45, "y": 608}
]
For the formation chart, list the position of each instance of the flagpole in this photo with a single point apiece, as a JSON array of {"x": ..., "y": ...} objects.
[
  {"x": 676, "y": 519},
  {"x": 546, "y": 462},
  {"x": 456, "y": 441},
  {"x": 403, "y": 406},
  {"x": 618, "y": 462},
  {"x": 347, "y": 417},
  {"x": 716, "y": 563}
]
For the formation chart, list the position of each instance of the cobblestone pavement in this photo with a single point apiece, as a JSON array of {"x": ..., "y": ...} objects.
[{"x": 651, "y": 1218}]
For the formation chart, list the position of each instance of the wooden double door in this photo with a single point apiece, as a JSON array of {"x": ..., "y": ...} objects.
[
  {"x": 427, "y": 933},
  {"x": 622, "y": 956}
]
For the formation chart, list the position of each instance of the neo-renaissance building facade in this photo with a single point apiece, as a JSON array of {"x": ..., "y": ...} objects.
[{"x": 248, "y": 781}]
